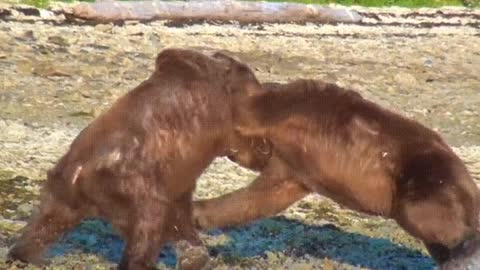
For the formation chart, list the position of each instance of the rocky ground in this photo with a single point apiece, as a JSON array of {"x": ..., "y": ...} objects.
[{"x": 56, "y": 76}]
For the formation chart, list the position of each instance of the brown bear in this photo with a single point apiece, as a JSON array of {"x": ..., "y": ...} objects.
[
  {"x": 136, "y": 164},
  {"x": 330, "y": 140}
]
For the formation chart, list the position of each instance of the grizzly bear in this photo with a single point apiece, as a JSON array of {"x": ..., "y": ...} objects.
[
  {"x": 136, "y": 164},
  {"x": 332, "y": 141}
]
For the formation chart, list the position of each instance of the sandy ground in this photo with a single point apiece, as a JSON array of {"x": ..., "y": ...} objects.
[{"x": 56, "y": 77}]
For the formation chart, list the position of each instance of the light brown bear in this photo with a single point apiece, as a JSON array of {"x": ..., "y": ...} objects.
[
  {"x": 331, "y": 141},
  {"x": 136, "y": 164}
]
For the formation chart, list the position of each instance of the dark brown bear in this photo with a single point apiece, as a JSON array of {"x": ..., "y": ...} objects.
[
  {"x": 136, "y": 165},
  {"x": 330, "y": 140}
]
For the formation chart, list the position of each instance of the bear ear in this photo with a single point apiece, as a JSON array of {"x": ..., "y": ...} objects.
[
  {"x": 220, "y": 55},
  {"x": 254, "y": 88},
  {"x": 165, "y": 55},
  {"x": 227, "y": 61},
  {"x": 242, "y": 74}
]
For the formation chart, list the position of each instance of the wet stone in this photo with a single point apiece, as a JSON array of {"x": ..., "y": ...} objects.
[{"x": 24, "y": 209}]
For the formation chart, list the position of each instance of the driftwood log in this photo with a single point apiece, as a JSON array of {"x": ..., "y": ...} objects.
[{"x": 241, "y": 11}]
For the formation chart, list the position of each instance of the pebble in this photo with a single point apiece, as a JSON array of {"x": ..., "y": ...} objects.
[
  {"x": 428, "y": 63},
  {"x": 3, "y": 253},
  {"x": 104, "y": 27},
  {"x": 24, "y": 209},
  {"x": 406, "y": 80}
]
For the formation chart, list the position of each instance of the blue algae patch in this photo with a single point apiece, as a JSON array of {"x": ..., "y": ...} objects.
[
  {"x": 293, "y": 237},
  {"x": 96, "y": 236},
  {"x": 279, "y": 234}
]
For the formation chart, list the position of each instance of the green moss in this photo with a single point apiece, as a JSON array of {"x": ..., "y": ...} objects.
[
  {"x": 14, "y": 192},
  {"x": 382, "y": 3},
  {"x": 46, "y": 3},
  {"x": 36, "y": 3},
  {"x": 367, "y": 3}
]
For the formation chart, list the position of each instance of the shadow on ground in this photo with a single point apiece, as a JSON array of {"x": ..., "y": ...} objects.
[{"x": 258, "y": 239}]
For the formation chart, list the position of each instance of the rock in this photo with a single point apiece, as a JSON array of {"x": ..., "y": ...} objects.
[
  {"x": 58, "y": 40},
  {"x": 46, "y": 14},
  {"x": 3, "y": 253},
  {"x": 24, "y": 209},
  {"x": 191, "y": 257},
  {"x": 428, "y": 63},
  {"x": 28, "y": 36},
  {"x": 470, "y": 262},
  {"x": 406, "y": 80},
  {"x": 271, "y": 257},
  {"x": 89, "y": 114},
  {"x": 13, "y": 14},
  {"x": 104, "y": 27},
  {"x": 306, "y": 266},
  {"x": 13, "y": 224},
  {"x": 50, "y": 71},
  {"x": 4, "y": 12},
  {"x": 27, "y": 10},
  {"x": 327, "y": 265}
]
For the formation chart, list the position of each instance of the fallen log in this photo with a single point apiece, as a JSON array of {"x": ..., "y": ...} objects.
[{"x": 241, "y": 11}]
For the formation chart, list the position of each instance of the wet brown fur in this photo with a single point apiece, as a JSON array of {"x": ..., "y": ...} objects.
[
  {"x": 330, "y": 140},
  {"x": 137, "y": 163}
]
